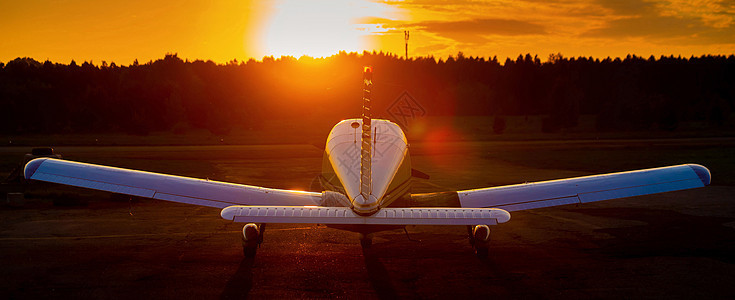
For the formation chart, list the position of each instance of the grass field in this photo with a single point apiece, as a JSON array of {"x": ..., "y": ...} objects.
[{"x": 314, "y": 131}]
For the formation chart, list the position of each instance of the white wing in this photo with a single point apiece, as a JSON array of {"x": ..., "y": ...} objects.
[
  {"x": 587, "y": 189},
  {"x": 264, "y": 205},
  {"x": 480, "y": 206},
  {"x": 161, "y": 186}
]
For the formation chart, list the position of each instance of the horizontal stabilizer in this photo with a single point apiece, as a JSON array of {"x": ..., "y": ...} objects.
[{"x": 385, "y": 216}]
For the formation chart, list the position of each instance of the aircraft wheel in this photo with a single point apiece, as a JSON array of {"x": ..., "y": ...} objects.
[
  {"x": 366, "y": 240},
  {"x": 252, "y": 236},
  {"x": 480, "y": 240},
  {"x": 366, "y": 243}
]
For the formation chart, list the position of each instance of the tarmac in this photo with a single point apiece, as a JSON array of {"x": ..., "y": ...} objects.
[
  {"x": 73, "y": 243},
  {"x": 657, "y": 246}
]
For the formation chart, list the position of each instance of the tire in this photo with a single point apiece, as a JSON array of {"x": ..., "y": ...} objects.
[{"x": 366, "y": 243}]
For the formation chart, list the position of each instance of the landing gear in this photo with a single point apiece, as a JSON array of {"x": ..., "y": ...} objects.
[
  {"x": 479, "y": 237},
  {"x": 252, "y": 237},
  {"x": 366, "y": 240}
]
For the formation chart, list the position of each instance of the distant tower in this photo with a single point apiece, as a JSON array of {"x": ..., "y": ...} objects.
[{"x": 405, "y": 36}]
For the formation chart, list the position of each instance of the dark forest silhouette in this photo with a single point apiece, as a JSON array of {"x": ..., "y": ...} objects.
[{"x": 170, "y": 94}]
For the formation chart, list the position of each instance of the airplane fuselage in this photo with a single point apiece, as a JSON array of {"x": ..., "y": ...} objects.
[{"x": 390, "y": 165}]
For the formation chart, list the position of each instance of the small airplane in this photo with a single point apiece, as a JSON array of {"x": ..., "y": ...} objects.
[{"x": 366, "y": 181}]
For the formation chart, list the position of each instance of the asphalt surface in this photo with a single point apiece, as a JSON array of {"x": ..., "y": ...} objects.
[
  {"x": 677, "y": 245},
  {"x": 658, "y": 246}
]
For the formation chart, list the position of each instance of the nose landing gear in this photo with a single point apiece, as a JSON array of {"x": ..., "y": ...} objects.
[{"x": 366, "y": 240}]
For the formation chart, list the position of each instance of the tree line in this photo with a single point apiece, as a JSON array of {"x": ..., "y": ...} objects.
[{"x": 171, "y": 94}]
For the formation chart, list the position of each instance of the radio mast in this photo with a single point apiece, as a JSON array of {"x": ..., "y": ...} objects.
[{"x": 405, "y": 36}]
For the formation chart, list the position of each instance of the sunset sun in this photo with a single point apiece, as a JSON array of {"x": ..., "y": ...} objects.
[{"x": 319, "y": 28}]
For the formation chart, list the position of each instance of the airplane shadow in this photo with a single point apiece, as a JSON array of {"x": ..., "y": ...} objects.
[
  {"x": 240, "y": 284},
  {"x": 379, "y": 276}
]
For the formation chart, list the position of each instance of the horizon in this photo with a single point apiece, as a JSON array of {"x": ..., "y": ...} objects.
[{"x": 303, "y": 58}]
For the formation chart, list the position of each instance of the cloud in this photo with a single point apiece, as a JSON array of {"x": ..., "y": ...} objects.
[
  {"x": 714, "y": 36},
  {"x": 628, "y": 7},
  {"x": 714, "y": 13},
  {"x": 434, "y": 2},
  {"x": 472, "y": 31},
  {"x": 374, "y": 20},
  {"x": 650, "y": 26},
  {"x": 484, "y": 26},
  {"x": 662, "y": 22},
  {"x": 432, "y": 48},
  {"x": 582, "y": 26}
]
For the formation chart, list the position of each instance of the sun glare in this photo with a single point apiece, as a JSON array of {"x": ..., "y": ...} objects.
[{"x": 319, "y": 28}]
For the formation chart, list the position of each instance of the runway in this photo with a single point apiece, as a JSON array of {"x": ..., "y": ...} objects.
[
  {"x": 676, "y": 245},
  {"x": 612, "y": 250}
]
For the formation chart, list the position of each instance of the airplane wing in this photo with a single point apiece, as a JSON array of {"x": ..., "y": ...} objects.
[
  {"x": 244, "y": 203},
  {"x": 161, "y": 186},
  {"x": 586, "y": 189},
  {"x": 287, "y": 206}
]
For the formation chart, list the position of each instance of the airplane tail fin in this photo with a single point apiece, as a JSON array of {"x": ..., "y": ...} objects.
[{"x": 365, "y": 148}]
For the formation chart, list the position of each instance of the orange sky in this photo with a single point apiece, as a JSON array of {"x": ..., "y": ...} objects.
[{"x": 122, "y": 31}]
